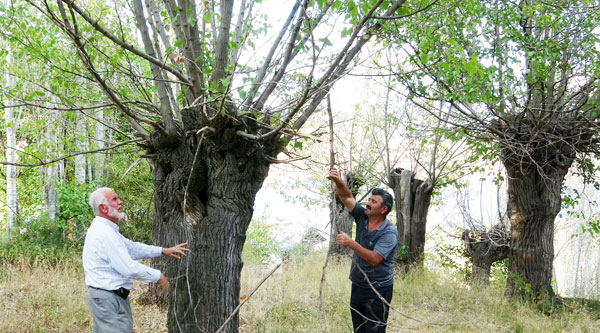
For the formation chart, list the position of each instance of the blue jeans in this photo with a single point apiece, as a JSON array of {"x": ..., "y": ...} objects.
[{"x": 369, "y": 312}]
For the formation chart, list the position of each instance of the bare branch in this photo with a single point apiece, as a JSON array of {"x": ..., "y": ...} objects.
[
  {"x": 42, "y": 162},
  {"x": 133, "y": 119},
  {"x": 287, "y": 58},
  {"x": 165, "y": 102},
  {"x": 124, "y": 45},
  {"x": 263, "y": 70},
  {"x": 339, "y": 65},
  {"x": 221, "y": 52}
]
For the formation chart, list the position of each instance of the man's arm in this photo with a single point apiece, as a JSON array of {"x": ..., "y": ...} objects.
[
  {"x": 370, "y": 257},
  {"x": 342, "y": 189}
]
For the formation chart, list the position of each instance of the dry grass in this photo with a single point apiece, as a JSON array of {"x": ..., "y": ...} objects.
[{"x": 51, "y": 298}]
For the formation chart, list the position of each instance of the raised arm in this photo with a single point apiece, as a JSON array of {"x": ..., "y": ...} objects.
[{"x": 342, "y": 189}]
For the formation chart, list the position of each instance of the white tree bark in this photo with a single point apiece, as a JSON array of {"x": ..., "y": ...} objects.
[
  {"x": 11, "y": 157},
  {"x": 50, "y": 172},
  {"x": 80, "y": 144},
  {"x": 576, "y": 259},
  {"x": 100, "y": 158}
]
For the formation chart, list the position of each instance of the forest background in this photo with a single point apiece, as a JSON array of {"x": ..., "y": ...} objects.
[{"x": 384, "y": 118}]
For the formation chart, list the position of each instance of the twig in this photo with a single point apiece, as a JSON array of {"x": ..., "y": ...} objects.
[
  {"x": 44, "y": 162},
  {"x": 332, "y": 227},
  {"x": 247, "y": 298}
]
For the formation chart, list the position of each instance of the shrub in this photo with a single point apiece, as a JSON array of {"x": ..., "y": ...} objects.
[
  {"x": 260, "y": 243},
  {"x": 39, "y": 239}
]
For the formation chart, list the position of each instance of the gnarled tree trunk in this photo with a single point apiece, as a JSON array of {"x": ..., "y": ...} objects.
[
  {"x": 485, "y": 249},
  {"x": 534, "y": 201},
  {"x": 204, "y": 195},
  {"x": 413, "y": 197}
]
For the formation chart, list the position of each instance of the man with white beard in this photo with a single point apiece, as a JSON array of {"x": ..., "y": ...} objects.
[{"x": 110, "y": 267}]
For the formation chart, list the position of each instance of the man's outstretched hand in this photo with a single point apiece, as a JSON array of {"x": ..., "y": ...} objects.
[
  {"x": 163, "y": 283},
  {"x": 176, "y": 251}
]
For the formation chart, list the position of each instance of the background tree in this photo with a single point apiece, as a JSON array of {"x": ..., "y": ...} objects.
[
  {"x": 10, "y": 148},
  {"x": 523, "y": 77}
]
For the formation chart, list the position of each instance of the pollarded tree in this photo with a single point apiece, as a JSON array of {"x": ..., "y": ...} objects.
[
  {"x": 522, "y": 77},
  {"x": 211, "y": 121}
]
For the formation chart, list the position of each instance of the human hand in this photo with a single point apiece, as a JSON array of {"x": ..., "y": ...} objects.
[
  {"x": 343, "y": 239},
  {"x": 163, "y": 283},
  {"x": 176, "y": 251},
  {"x": 334, "y": 174}
]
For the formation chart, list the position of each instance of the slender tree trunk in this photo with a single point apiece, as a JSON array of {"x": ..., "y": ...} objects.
[
  {"x": 11, "y": 157},
  {"x": 204, "y": 196},
  {"x": 99, "y": 158},
  {"x": 80, "y": 143},
  {"x": 587, "y": 285},
  {"x": 50, "y": 172},
  {"x": 533, "y": 203},
  {"x": 413, "y": 197},
  {"x": 576, "y": 259}
]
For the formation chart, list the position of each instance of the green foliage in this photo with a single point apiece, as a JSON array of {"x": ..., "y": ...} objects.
[
  {"x": 135, "y": 190},
  {"x": 499, "y": 273},
  {"x": 452, "y": 257},
  {"x": 73, "y": 213},
  {"x": 39, "y": 239},
  {"x": 260, "y": 243}
]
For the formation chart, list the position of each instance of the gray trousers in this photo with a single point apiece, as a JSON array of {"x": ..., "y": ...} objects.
[{"x": 110, "y": 312}]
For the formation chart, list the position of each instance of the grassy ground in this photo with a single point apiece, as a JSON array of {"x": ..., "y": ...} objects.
[{"x": 51, "y": 298}]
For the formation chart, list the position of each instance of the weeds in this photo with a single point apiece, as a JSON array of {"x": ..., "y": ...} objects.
[{"x": 45, "y": 296}]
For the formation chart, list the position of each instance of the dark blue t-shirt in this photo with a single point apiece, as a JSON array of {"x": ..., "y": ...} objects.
[{"x": 382, "y": 240}]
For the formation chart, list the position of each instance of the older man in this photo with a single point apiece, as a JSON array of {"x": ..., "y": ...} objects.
[
  {"x": 110, "y": 267},
  {"x": 372, "y": 271}
]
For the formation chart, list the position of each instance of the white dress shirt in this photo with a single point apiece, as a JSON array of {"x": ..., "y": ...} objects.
[{"x": 109, "y": 258}]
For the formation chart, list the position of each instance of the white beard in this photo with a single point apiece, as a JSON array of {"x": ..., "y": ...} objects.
[{"x": 114, "y": 213}]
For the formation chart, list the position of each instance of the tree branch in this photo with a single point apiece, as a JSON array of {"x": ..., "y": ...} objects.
[
  {"x": 42, "y": 162},
  {"x": 124, "y": 45}
]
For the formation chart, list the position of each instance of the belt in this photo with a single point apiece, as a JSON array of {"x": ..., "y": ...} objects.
[{"x": 121, "y": 292}]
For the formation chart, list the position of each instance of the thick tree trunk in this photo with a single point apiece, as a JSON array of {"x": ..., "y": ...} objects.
[
  {"x": 485, "y": 249},
  {"x": 343, "y": 219},
  {"x": 413, "y": 197},
  {"x": 533, "y": 203},
  {"x": 209, "y": 204}
]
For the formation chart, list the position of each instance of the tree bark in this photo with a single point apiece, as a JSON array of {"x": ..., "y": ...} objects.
[
  {"x": 413, "y": 197},
  {"x": 576, "y": 258},
  {"x": 100, "y": 138},
  {"x": 50, "y": 172},
  {"x": 11, "y": 157},
  {"x": 81, "y": 145},
  {"x": 533, "y": 203},
  {"x": 343, "y": 219}
]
